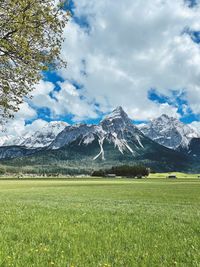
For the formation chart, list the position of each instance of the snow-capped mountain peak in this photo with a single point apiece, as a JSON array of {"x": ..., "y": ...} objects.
[
  {"x": 34, "y": 139},
  {"x": 45, "y": 136},
  {"x": 116, "y": 129},
  {"x": 116, "y": 121},
  {"x": 117, "y": 113},
  {"x": 55, "y": 126},
  {"x": 169, "y": 132}
]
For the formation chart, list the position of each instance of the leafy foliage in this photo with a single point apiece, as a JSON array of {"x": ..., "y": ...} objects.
[{"x": 30, "y": 42}]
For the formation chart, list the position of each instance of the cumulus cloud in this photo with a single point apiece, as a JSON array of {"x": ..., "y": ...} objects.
[
  {"x": 70, "y": 100},
  {"x": 66, "y": 100},
  {"x": 131, "y": 47},
  {"x": 16, "y": 126},
  {"x": 25, "y": 112},
  {"x": 41, "y": 95},
  {"x": 35, "y": 126}
]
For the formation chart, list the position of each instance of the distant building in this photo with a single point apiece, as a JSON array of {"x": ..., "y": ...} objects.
[{"x": 172, "y": 177}]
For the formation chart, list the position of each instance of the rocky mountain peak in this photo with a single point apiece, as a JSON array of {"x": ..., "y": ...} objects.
[
  {"x": 117, "y": 113},
  {"x": 164, "y": 118},
  {"x": 116, "y": 128},
  {"x": 169, "y": 132},
  {"x": 116, "y": 121}
]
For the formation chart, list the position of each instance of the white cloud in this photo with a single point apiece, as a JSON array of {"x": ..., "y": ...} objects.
[
  {"x": 155, "y": 111},
  {"x": 70, "y": 100},
  {"x": 41, "y": 95},
  {"x": 35, "y": 125},
  {"x": 25, "y": 112},
  {"x": 67, "y": 100},
  {"x": 16, "y": 127},
  {"x": 133, "y": 46}
]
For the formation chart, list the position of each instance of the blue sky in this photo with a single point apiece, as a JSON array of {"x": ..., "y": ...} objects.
[
  {"x": 148, "y": 66},
  {"x": 176, "y": 100}
]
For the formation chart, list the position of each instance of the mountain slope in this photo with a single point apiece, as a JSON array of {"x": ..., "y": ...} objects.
[
  {"x": 9, "y": 152},
  {"x": 169, "y": 132},
  {"x": 194, "y": 147}
]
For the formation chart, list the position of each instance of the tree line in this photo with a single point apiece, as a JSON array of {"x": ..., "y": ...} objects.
[{"x": 124, "y": 170}]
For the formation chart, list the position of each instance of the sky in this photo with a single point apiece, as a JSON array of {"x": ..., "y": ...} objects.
[{"x": 143, "y": 55}]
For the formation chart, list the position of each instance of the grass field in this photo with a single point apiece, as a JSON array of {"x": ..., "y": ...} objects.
[{"x": 125, "y": 223}]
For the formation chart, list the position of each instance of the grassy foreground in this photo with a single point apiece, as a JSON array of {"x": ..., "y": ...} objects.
[{"x": 123, "y": 223}]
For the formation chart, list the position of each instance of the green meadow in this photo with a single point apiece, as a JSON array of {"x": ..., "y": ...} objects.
[{"x": 100, "y": 223}]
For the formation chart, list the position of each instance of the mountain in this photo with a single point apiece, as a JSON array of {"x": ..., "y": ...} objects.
[
  {"x": 116, "y": 129},
  {"x": 169, "y": 132},
  {"x": 115, "y": 140},
  {"x": 40, "y": 138}
]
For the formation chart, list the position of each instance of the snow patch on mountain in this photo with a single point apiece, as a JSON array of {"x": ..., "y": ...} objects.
[
  {"x": 88, "y": 139},
  {"x": 101, "y": 153}
]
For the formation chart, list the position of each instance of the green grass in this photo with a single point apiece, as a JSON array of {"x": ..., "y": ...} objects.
[{"x": 125, "y": 223}]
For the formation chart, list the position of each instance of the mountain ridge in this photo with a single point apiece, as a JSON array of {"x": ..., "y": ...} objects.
[{"x": 115, "y": 140}]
